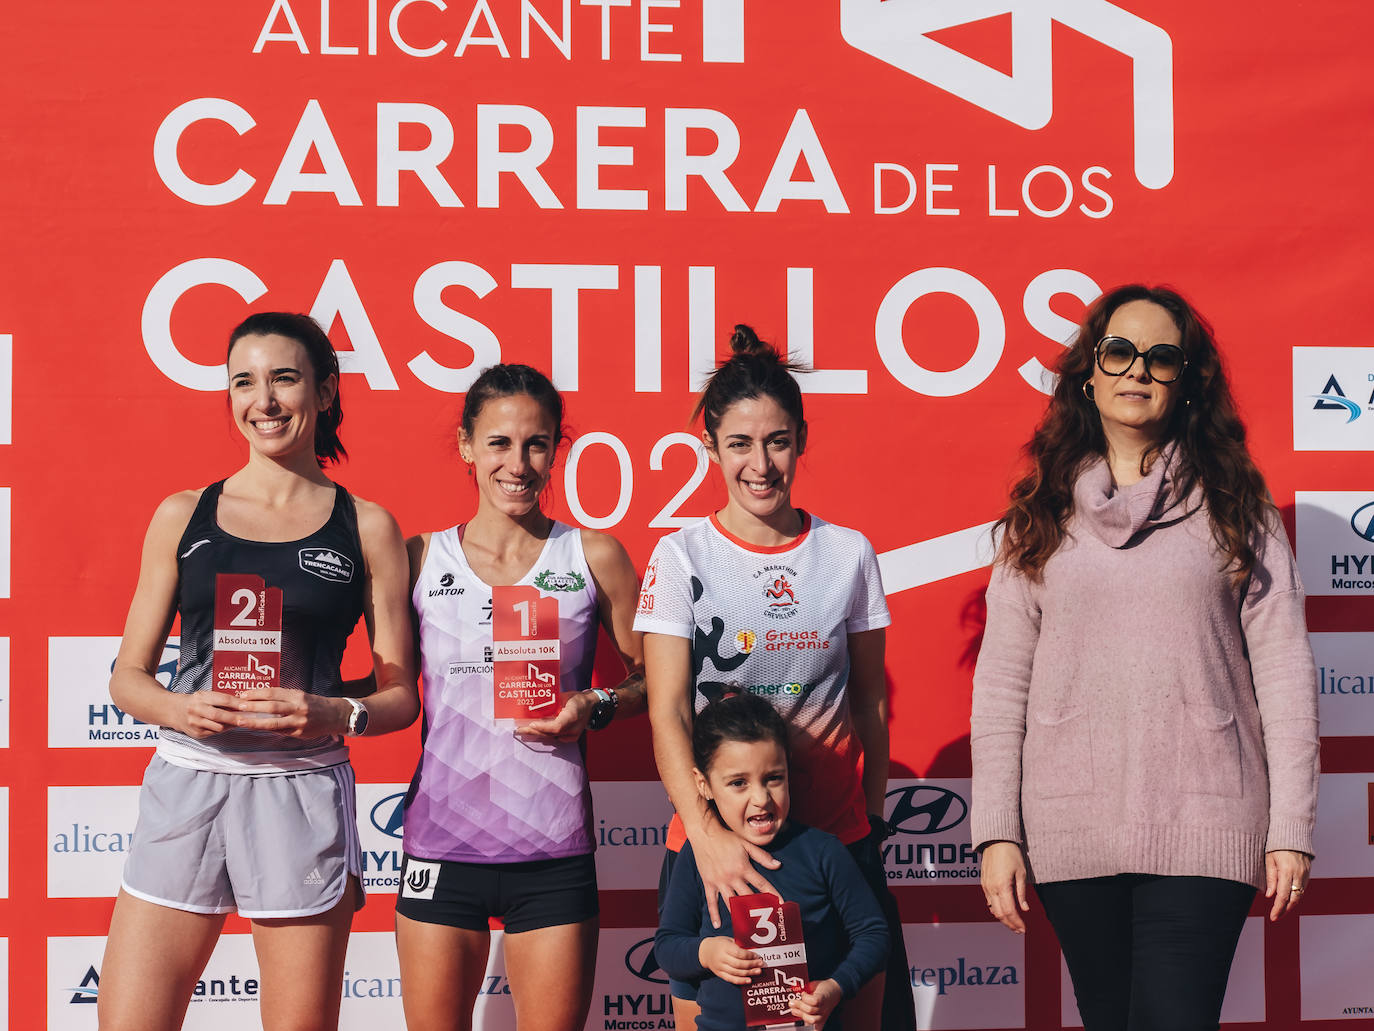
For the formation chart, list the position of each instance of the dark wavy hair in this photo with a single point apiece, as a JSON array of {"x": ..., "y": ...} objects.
[
  {"x": 739, "y": 717},
  {"x": 754, "y": 369},
  {"x": 1204, "y": 423},
  {"x": 323, "y": 363}
]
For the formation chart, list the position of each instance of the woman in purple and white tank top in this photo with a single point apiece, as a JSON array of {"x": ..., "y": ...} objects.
[{"x": 498, "y": 818}]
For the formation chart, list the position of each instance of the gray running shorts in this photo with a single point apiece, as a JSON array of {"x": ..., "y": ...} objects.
[{"x": 276, "y": 846}]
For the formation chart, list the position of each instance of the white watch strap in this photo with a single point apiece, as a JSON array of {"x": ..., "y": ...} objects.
[{"x": 353, "y": 716}]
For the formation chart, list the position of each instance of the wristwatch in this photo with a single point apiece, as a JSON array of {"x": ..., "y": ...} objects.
[
  {"x": 604, "y": 709},
  {"x": 357, "y": 719}
]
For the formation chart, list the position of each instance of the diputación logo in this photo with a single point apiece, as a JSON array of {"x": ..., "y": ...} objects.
[
  {"x": 87, "y": 990},
  {"x": 1333, "y": 399}
]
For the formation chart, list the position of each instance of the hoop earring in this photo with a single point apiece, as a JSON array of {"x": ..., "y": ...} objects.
[{"x": 1088, "y": 391}]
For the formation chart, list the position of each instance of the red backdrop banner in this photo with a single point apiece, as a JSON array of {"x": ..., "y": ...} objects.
[{"x": 918, "y": 198}]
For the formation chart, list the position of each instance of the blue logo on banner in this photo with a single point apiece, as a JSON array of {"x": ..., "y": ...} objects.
[
  {"x": 641, "y": 961},
  {"x": 88, "y": 989},
  {"x": 388, "y": 814},
  {"x": 1362, "y": 522},
  {"x": 1333, "y": 399},
  {"x": 925, "y": 809}
]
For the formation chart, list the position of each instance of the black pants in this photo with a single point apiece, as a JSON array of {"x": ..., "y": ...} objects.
[
  {"x": 1148, "y": 953},
  {"x": 899, "y": 1006}
]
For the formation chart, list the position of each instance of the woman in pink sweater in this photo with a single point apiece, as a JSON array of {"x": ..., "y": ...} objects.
[{"x": 1144, "y": 726}]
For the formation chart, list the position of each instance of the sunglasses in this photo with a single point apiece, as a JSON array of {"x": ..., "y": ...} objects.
[{"x": 1164, "y": 363}]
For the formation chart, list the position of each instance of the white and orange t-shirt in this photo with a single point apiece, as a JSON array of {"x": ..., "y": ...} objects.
[{"x": 775, "y": 622}]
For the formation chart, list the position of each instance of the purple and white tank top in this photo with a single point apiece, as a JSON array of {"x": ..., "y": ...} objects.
[{"x": 480, "y": 794}]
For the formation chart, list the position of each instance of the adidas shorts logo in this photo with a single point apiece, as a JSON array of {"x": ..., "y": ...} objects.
[{"x": 314, "y": 877}]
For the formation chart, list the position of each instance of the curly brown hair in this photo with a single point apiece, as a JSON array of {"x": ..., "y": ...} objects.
[{"x": 1210, "y": 435}]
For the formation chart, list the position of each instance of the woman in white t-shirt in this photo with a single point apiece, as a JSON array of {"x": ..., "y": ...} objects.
[{"x": 765, "y": 598}]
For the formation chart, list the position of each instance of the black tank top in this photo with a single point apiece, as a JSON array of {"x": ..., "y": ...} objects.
[{"x": 321, "y": 578}]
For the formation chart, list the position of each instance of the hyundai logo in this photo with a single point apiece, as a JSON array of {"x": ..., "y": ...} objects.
[
  {"x": 925, "y": 809},
  {"x": 388, "y": 814},
  {"x": 641, "y": 961},
  {"x": 1362, "y": 522}
]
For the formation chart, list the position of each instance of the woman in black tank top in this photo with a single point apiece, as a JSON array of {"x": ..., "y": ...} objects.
[{"x": 269, "y": 571}]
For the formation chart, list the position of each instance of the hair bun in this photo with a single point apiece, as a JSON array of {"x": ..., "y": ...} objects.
[
  {"x": 745, "y": 341},
  {"x": 754, "y": 369}
]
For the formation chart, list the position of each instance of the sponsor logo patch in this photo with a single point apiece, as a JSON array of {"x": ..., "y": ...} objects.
[
  {"x": 548, "y": 580},
  {"x": 445, "y": 588},
  {"x": 419, "y": 879},
  {"x": 327, "y": 564},
  {"x": 779, "y": 589}
]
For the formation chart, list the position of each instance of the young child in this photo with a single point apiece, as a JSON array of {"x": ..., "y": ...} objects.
[{"x": 739, "y": 745}]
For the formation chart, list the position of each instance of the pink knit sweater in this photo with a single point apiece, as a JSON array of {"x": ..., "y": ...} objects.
[{"x": 1130, "y": 714}]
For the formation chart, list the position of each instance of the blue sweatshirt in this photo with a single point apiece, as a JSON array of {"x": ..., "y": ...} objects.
[{"x": 846, "y": 936}]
